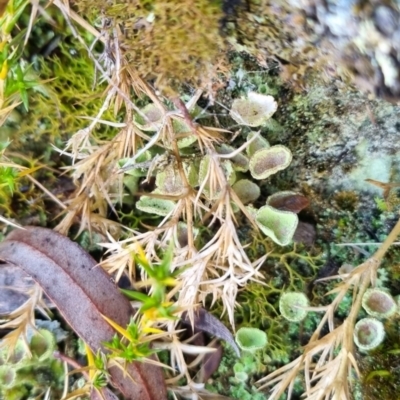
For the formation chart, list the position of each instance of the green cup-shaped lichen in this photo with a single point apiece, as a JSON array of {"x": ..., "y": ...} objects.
[
  {"x": 29, "y": 365},
  {"x": 239, "y": 161},
  {"x": 276, "y": 224},
  {"x": 368, "y": 333},
  {"x": 153, "y": 205},
  {"x": 169, "y": 181},
  {"x": 137, "y": 167},
  {"x": 152, "y": 118},
  {"x": 268, "y": 161},
  {"x": 17, "y": 356},
  {"x": 378, "y": 303},
  {"x": 251, "y": 339},
  {"x": 292, "y": 306},
  {"x": 7, "y": 376},
  {"x": 181, "y": 233},
  {"x": 229, "y": 172},
  {"x": 184, "y": 133},
  {"x": 204, "y": 169},
  {"x": 132, "y": 184},
  {"x": 192, "y": 173},
  {"x": 42, "y": 344},
  {"x": 288, "y": 201},
  {"x": 246, "y": 190},
  {"x": 238, "y": 367},
  {"x": 257, "y": 144},
  {"x": 241, "y": 376},
  {"x": 254, "y": 110}
]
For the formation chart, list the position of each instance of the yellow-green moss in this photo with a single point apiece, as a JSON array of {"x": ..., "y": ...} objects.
[{"x": 170, "y": 42}]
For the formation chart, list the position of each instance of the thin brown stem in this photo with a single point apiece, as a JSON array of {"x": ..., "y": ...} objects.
[
  {"x": 181, "y": 106},
  {"x": 51, "y": 195},
  {"x": 380, "y": 253}
]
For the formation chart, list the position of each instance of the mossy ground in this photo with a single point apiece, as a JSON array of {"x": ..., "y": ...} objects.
[{"x": 336, "y": 134}]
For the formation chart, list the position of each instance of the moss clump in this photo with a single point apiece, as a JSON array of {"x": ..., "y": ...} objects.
[
  {"x": 229, "y": 378},
  {"x": 56, "y": 107},
  {"x": 168, "y": 41}
]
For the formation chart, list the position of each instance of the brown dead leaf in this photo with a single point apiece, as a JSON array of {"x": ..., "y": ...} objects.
[
  {"x": 288, "y": 201},
  {"x": 104, "y": 394},
  {"x": 211, "y": 363},
  {"x": 14, "y": 284},
  {"x": 82, "y": 292},
  {"x": 206, "y": 322}
]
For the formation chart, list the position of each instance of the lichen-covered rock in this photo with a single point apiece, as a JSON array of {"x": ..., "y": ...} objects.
[
  {"x": 171, "y": 42},
  {"x": 356, "y": 41}
]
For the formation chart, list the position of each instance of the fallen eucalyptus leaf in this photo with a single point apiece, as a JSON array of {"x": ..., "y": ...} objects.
[
  {"x": 105, "y": 394},
  {"x": 82, "y": 292},
  {"x": 14, "y": 283},
  {"x": 206, "y": 322},
  {"x": 211, "y": 363}
]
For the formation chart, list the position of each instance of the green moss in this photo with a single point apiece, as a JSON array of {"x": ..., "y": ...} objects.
[
  {"x": 224, "y": 382},
  {"x": 169, "y": 41},
  {"x": 66, "y": 96},
  {"x": 8, "y": 179}
]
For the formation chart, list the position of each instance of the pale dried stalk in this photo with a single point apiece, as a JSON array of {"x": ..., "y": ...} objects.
[{"x": 221, "y": 266}]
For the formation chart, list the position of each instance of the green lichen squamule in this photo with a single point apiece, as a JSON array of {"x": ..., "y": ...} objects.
[{"x": 23, "y": 374}]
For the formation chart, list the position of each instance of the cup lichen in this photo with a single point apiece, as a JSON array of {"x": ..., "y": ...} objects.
[
  {"x": 379, "y": 303},
  {"x": 293, "y": 306},
  {"x": 251, "y": 339},
  {"x": 368, "y": 333}
]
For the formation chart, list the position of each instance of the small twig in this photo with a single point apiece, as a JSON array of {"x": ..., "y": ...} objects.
[
  {"x": 51, "y": 195},
  {"x": 180, "y": 105},
  {"x": 364, "y": 244},
  {"x": 73, "y": 363},
  {"x": 380, "y": 253}
]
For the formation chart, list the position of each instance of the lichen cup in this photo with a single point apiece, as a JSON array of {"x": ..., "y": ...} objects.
[
  {"x": 292, "y": 306},
  {"x": 379, "y": 303},
  {"x": 368, "y": 333},
  {"x": 251, "y": 339}
]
